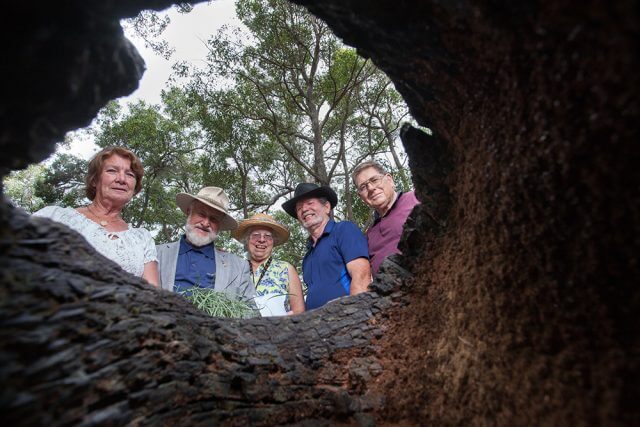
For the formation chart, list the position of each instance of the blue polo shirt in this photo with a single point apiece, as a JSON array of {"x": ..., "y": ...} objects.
[
  {"x": 196, "y": 266},
  {"x": 324, "y": 267}
]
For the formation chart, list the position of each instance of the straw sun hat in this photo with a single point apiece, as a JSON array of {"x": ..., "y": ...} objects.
[{"x": 280, "y": 232}]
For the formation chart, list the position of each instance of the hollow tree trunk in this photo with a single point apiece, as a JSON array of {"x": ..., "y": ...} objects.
[
  {"x": 83, "y": 342},
  {"x": 527, "y": 305}
]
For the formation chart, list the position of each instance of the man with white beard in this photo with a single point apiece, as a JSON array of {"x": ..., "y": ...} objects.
[{"x": 194, "y": 260}]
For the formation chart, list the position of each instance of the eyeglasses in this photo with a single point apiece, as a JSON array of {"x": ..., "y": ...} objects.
[
  {"x": 255, "y": 237},
  {"x": 375, "y": 181}
]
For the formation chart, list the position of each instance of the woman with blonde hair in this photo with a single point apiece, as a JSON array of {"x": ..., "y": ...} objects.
[{"x": 114, "y": 177}]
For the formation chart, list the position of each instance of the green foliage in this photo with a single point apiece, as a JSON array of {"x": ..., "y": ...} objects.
[
  {"x": 19, "y": 186},
  {"x": 235, "y": 152},
  {"x": 294, "y": 249},
  {"x": 219, "y": 304},
  {"x": 62, "y": 183},
  {"x": 149, "y": 25},
  {"x": 296, "y": 105},
  {"x": 281, "y": 102}
]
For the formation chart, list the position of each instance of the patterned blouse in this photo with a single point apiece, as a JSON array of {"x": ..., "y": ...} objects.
[
  {"x": 131, "y": 249},
  {"x": 275, "y": 280}
]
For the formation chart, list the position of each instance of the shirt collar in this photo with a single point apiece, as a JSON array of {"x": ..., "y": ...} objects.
[
  {"x": 185, "y": 247},
  {"x": 328, "y": 228},
  {"x": 376, "y": 215}
]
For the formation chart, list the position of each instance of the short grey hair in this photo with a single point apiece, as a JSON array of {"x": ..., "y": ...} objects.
[
  {"x": 365, "y": 165},
  {"x": 323, "y": 200}
]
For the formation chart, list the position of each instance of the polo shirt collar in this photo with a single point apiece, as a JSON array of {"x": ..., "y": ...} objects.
[
  {"x": 327, "y": 230},
  {"x": 185, "y": 247},
  {"x": 376, "y": 215}
]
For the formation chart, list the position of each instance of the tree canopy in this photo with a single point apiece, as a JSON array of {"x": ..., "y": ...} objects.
[{"x": 278, "y": 101}]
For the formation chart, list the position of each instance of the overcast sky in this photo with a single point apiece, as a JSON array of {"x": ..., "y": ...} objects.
[{"x": 186, "y": 34}]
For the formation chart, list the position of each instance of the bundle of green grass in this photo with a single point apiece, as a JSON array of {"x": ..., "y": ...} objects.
[{"x": 219, "y": 304}]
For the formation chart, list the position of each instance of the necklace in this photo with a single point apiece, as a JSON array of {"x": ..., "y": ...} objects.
[
  {"x": 266, "y": 267},
  {"x": 103, "y": 222}
]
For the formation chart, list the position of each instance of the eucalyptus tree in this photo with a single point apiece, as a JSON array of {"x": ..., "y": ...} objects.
[
  {"x": 290, "y": 80},
  {"x": 282, "y": 100},
  {"x": 240, "y": 157},
  {"x": 62, "y": 182},
  {"x": 19, "y": 187},
  {"x": 381, "y": 112}
]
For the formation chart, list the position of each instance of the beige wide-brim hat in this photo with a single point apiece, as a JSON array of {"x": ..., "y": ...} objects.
[
  {"x": 213, "y": 197},
  {"x": 281, "y": 233}
]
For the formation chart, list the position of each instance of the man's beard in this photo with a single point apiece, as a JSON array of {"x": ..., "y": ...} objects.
[
  {"x": 313, "y": 222},
  {"x": 196, "y": 239}
]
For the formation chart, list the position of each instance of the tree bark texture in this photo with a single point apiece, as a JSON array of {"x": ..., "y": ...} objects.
[
  {"x": 525, "y": 303},
  {"x": 81, "y": 342},
  {"x": 521, "y": 302}
]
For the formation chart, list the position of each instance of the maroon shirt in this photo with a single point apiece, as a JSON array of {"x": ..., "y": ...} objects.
[{"x": 383, "y": 236}]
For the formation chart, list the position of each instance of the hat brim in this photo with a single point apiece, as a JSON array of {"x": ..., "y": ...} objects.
[
  {"x": 290, "y": 205},
  {"x": 282, "y": 234},
  {"x": 226, "y": 221}
]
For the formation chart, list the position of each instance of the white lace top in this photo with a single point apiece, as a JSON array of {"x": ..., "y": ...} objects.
[{"x": 131, "y": 249}]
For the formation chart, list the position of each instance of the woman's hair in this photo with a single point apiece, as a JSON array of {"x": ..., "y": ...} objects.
[{"x": 96, "y": 163}]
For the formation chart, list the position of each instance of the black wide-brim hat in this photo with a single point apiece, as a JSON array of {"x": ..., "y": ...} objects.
[{"x": 307, "y": 190}]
